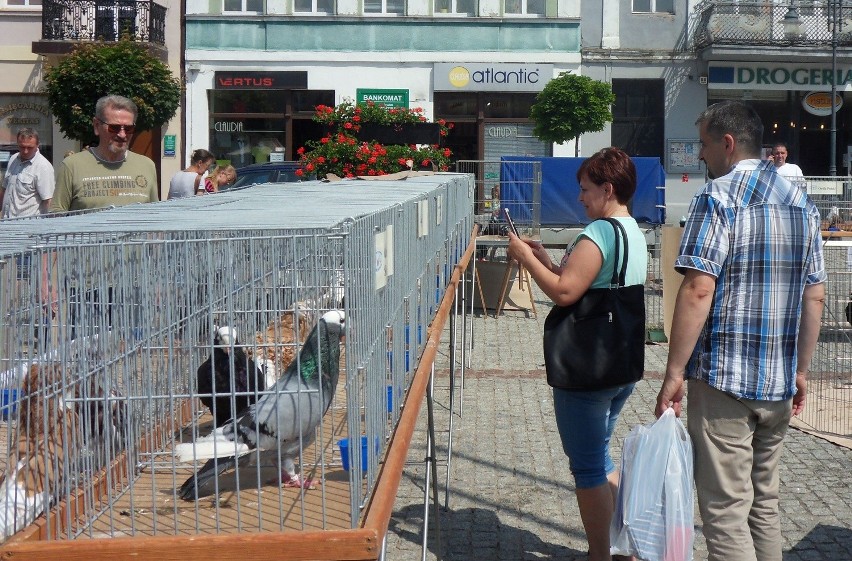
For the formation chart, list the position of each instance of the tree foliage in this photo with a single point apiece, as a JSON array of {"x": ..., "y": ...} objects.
[
  {"x": 94, "y": 70},
  {"x": 570, "y": 105}
]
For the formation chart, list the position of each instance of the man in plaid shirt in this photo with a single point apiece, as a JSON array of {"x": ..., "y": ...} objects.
[{"x": 745, "y": 326}]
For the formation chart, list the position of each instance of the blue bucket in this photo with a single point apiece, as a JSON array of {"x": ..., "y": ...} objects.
[
  {"x": 343, "y": 444},
  {"x": 8, "y": 402}
]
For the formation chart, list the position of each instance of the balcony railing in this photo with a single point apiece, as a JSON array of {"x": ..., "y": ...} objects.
[
  {"x": 103, "y": 20},
  {"x": 761, "y": 23}
]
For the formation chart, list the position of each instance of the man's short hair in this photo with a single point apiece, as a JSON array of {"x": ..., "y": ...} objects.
[
  {"x": 115, "y": 102},
  {"x": 27, "y": 132},
  {"x": 737, "y": 119},
  {"x": 779, "y": 145}
]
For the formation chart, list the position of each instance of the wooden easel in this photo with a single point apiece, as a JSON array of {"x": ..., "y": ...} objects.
[{"x": 523, "y": 279}]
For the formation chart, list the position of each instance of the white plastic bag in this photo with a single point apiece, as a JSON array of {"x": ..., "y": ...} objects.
[{"x": 653, "y": 517}]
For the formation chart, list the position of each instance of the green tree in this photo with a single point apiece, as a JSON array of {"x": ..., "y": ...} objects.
[
  {"x": 76, "y": 82},
  {"x": 570, "y": 105}
]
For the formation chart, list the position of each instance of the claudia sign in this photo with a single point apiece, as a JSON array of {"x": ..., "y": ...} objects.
[
  {"x": 765, "y": 76},
  {"x": 478, "y": 77},
  {"x": 819, "y": 103}
]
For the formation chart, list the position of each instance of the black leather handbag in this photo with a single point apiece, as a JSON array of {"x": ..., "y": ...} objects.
[{"x": 599, "y": 341}]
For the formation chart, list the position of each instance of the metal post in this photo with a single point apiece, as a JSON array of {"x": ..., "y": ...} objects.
[{"x": 832, "y": 160}]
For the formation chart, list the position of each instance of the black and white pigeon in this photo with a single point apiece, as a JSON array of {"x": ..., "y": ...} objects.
[
  {"x": 214, "y": 378},
  {"x": 284, "y": 419}
]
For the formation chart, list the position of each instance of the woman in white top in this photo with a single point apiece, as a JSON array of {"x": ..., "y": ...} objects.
[{"x": 185, "y": 183}]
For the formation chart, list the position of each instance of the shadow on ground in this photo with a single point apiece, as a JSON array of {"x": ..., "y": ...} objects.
[
  {"x": 477, "y": 527},
  {"x": 823, "y": 542}
]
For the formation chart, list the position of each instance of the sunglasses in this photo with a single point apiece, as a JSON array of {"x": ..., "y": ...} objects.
[{"x": 114, "y": 129}]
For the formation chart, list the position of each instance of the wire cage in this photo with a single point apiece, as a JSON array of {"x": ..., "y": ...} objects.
[
  {"x": 511, "y": 184},
  {"x": 829, "y": 408},
  {"x": 111, "y": 324}
]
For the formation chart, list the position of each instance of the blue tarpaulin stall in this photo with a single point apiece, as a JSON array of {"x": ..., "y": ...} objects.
[{"x": 560, "y": 190}]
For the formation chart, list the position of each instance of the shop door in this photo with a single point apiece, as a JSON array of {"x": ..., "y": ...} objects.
[{"x": 513, "y": 139}]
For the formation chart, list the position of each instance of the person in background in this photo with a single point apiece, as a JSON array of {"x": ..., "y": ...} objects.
[
  {"x": 222, "y": 175},
  {"x": 107, "y": 174},
  {"x": 28, "y": 184},
  {"x": 587, "y": 419},
  {"x": 744, "y": 330},
  {"x": 186, "y": 183},
  {"x": 791, "y": 171}
]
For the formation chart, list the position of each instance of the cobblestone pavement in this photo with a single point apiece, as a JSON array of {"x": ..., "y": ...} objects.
[{"x": 510, "y": 492}]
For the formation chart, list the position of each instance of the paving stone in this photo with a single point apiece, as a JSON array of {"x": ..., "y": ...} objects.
[{"x": 511, "y": 494}]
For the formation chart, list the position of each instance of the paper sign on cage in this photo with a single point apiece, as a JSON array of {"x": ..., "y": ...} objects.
[
  {"x": 422, "y": 218},
  {"x": 383, "y": 256}
]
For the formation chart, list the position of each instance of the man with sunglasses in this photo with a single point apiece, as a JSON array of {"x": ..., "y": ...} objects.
[{"x": 107, "y": 174}]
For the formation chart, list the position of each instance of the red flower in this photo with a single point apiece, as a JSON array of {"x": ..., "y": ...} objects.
[
  {"x": 447, "y": 152},
  {"x": 299, "y": 172},
  {"x": 325, "y": 140},
  {"x": 309, "y": 167},
  {"x": 347, "y": 125},
  {"x": 425, "y": 163},
  {"x": 301, "y": 150}
]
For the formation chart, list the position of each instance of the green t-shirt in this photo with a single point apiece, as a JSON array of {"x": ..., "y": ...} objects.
[
  {"x": 603, "y": 235},
  {"x": 85, "y": 182}
]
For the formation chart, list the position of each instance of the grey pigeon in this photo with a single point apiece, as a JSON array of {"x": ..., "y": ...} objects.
[{"x": 285, "y": 419}]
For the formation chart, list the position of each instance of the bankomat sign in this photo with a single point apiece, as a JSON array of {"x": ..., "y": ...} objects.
[{"x": 477, "y": 77}]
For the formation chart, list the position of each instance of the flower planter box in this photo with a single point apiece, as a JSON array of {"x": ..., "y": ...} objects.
[{"x": 420, "y": 133}]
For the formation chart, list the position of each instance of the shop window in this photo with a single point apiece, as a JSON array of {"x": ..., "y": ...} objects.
[
  {"x": 638, "y": 124},
  {"x": 653, "y": 6},
  {"x": 524, "y": 7},
  {"x": 457, "y": 104},
  {"x": 456, "y": 7},
  {"x": 306, "y": 101},
  {"x": 499, "y": 106},
  {"x": 246, "y": 101},
  {"x": 314, "y": 6},
  {"x": 243, "y": 6},
  {"x": 20, "y": 4},
  {"x": 389, "y": 7},
  {"x": 246, "y": 141}
]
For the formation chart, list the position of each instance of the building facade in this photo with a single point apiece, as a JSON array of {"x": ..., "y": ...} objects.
[
  {"x": 669, "y": 60},
  {"x": 36, "y": 33},
  {"x": 255, "y": 71}
]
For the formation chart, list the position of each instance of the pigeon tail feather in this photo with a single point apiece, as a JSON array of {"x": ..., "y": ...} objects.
[{"x": 189, "y": 490}]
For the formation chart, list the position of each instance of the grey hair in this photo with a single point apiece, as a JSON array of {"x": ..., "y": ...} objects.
[
  {"x": 115, "y": 102},
  {"x": 27, "y": 132},
  {"x": 737, "y": 119}
]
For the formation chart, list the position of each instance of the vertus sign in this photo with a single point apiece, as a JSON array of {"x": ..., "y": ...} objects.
[
  {"x": 763, "y": 77},
  {"x": 250, "y": 80}
]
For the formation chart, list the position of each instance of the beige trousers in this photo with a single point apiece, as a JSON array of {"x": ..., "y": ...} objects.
[{"x": 737, "y": 444}]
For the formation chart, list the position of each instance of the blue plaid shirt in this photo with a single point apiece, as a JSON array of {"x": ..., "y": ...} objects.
[{"x": 760, "y": 237}]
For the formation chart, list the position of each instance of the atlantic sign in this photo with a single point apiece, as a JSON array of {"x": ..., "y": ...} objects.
[
  {"x": 479, "y": 77},
  {"x": 766, "y": 76}
]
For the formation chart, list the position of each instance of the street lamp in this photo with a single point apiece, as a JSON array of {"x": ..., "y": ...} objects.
[
  {"x": 791, "y": 23},
  {"x": 832, "y": 157}
]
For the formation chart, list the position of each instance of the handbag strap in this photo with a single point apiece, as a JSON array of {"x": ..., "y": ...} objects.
[{"x": 618, "y": 274}]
